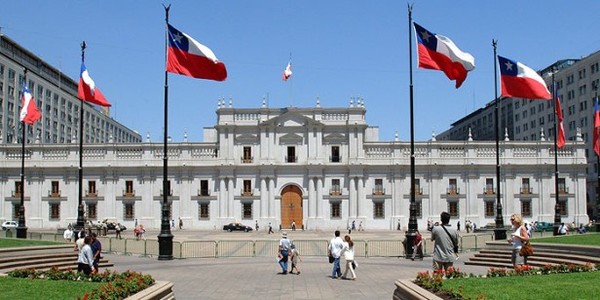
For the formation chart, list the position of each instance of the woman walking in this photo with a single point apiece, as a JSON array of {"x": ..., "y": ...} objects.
[
  {"x": 517, "y": 238},
  {"x": 348, "y": 252}
]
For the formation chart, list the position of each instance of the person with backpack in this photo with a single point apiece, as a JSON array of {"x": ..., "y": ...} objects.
[{"x": 445, "y": 249}]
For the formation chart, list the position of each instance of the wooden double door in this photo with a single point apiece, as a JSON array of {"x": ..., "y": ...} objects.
[{"x": 291, "y": 207}]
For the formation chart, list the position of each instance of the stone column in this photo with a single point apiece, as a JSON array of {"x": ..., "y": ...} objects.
[
  {"x": 352, "y": 201},
  {"x": 264, "y": 206},
  {"x": 230, "y": 195},
  {"x": 222, "y": 197},
  {"x": 361, "y": 199},
  {"x": 271, "y": 197},
  {"x": 319, "y": 199},
  {"x": 312, "y": 201}
]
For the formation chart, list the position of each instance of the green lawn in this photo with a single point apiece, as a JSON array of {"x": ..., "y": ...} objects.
[
  {"x": 589, "y": 239},
  {"x": 548, "y": 287},
  {"x": 10, "y": 243},
  {"x": 20, "y": 288}
]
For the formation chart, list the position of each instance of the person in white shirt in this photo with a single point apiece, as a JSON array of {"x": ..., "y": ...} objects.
[
  {"x": 348, "y": 252},
  {"x": 85, "y": 261},
  {"x": 67, "y": 235},
  {"x": 335, "y": 250}
]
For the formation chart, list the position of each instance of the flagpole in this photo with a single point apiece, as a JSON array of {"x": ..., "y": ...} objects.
[
  {"x": 22, "y": 226},
  {"x": 165, "y": 238},
  {"x": 80, "y": 219},
  {"x": 557, "y": 219},
  {"x": 412, "y": 219},
  {"x": 291, "y": 80},
  {"x": 499, "y": 231}
]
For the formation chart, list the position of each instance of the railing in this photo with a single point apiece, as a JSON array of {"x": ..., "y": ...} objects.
[
  {"x": 247, "y": 193},
  {"x": 247, "y": 160},
  {"x": 452, "y": 190},
  {"x": 263, "y": 248},
  {"x": 291, "y": 159},
  {"x": 16, "y": 194},
  {"x": 378, "y": 191},
  {"x": 54, "y": 194},
  {"x": 563, "y": 190},
  {"x": 203, "y": 193},
  {"x": 489, "y": 190},
  {"x": 335, "y": 192},
  {"x": 129, "y": 193},
  {"x": 418, "y": 191},
  {"x": 526, "y": 190},
  {"x": 335, "y": 159},
  {"x": 91, "y": 194}
]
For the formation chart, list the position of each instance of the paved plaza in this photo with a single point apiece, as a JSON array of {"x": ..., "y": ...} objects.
[{"x": 257, "y": 278}]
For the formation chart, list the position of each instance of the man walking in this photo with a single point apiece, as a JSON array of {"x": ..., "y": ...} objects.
[
  {"x": 284, "y": 248},
  {"x": 445, "y": 241},
  {"x": 335, "y": 249}
]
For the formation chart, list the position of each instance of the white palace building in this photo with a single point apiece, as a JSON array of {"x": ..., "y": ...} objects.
[{"x": 320, "y": 167}]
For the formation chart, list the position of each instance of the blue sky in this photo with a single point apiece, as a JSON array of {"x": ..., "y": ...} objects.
[{"x": 339, "y": 49}]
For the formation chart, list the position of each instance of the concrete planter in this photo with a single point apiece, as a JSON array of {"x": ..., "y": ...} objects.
[
  {"x": 160, "y": 290},
  {"x": 406, "y": 290}
]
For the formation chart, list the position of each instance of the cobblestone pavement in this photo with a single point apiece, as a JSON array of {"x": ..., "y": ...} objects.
[{"x": 257, "y": 278}]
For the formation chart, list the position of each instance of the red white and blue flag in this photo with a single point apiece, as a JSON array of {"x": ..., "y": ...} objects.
[
  {"x": 520, "y": 81},
  {"x": 560, "y": 139},
  {"x": 597, "y": 129},
  {"x": 87, "y": 89},
  {"x": 287, "y": 73},
  {"x": 438, "y": 52},
  {"x": 29, "y": 111},
  {"x": 186, "y": 56}
]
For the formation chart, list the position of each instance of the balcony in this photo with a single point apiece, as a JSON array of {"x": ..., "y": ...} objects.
[
  {"x": 203, "y": 193},
  {"x": 130, "y": 193},
  {"x": 247, "y": 194},
  {"x": 488, "y": 190},
  {"x": 526, "y": 190},
  {"x": 54, "y": 194},
  {"x": 379, "y": 191},
  {"x": 291, "y": 159},
  {"x": 91, "y": 194},
  {"x": 335, "y": 159},
  {"x": 563, "y": 190},
  {"x": 247, "y": 159},
  {"x": 336, "y": 191},
  {"x": 452, "y": 190},
  {"x": 16, "y": 194},
  {"x": 170, "y": 193},
  {"x": 418, "y": 191}
]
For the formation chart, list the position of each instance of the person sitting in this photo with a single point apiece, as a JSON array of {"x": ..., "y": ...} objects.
[{"x": 581, "y": 229}]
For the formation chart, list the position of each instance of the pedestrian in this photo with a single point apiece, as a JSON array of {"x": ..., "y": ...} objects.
[
  {"x": 445, "y": 249},
  {"x": 353, "y": 224},
  {"x": 118, "y": 230},
  {"x": 335, "y": 250},
  {"x": 270, "y": 229},
  {"x": 295, "y": 258},
  {"x": 457, "y": 225},
  {"x": 360, "y": 227},
  {"x": 85, "y": 260},
  {"x": 68, "y": 234},
  {"x": 293, "y": 225},
  {"x": 180, "y": 223},
  {"x": 517, "y": 238},
  {"x": 348, "y": 252},
  {"x": 562, "y": 230},
  {"x": 417, "y": 245},
  {"x": 80, "y": 242},
  {"x": 135, "y": 225},
  {"x": 256, "y": 225},
  {"x": 96, "y": 250},
  {"x": 284, "y": 248}
]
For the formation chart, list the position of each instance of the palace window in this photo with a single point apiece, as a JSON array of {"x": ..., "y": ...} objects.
[
  {"x": 91, "y": 211},
  {"x": 129, "y": 191},
  {"x": 335, "y": 190},
  {"x": 55, "y": 191},
  {"x": 525, "y": 187},
  {"x": 247, "y": 211},
  {"x": 18, "y": 189},
  {"x": 203, "y": 188},
  {"x": 54, "y": 211},
  {"x": 489, "y": 208},
  {"x": 378, "y": 210},
  {"x": 452, "y": 187},
  {"x": 247, "y": 158},
  {"x": 291, "y": 155},
  {"x": 15, "y": 212},
  {"x": 335, "y": 154},
  {"x": 203, "y": 211},
  {"x": 128, "y": 211},
  {"x": 418, "y": 188},
  {"x": 378, "y": 190},
  {"x": 562, "y": 186},
  {"x": 91, "y": 192},
  {"x": 336, "y": 210},
  {"x": 526, "y": 208},
  {"x": 247, "y": 188},
  {"x": 562, "y": 208},
  {"x": 489, "y": 186},
  {"x": 453, "y": 208}
]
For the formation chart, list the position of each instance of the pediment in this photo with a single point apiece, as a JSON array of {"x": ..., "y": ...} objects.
[
  {"x": 246, "y": 138},
  {"x": 334, "y": 138},
  {"x": 291, "y": 138},
  {"x": 291, "y": 119}
]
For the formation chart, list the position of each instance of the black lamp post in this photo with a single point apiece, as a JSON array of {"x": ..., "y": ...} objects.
[{"x": 499, "y": 231}]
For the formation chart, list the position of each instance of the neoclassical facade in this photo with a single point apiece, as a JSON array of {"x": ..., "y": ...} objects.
[{"x": 319, "y": 167}]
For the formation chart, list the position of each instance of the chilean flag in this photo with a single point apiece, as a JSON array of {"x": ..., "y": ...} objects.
[
  {"x": 287, "y": 73},
  {"x": 519, "y": 80},
  {"x": 560, "y": 139},
  {"x": 438, "y": 52},
  {"x": 29, "y": 111},
  {"x": 87, "y": 89},
  {"x": 597, "y": 129},
  {"x": 186, "y": 56}
]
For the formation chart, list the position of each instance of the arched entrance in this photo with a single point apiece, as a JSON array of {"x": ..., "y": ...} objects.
[{"x": 291, "y": 207}]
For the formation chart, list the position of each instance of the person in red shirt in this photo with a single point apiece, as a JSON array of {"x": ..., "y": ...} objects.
[{"x": 417, "y": 244}]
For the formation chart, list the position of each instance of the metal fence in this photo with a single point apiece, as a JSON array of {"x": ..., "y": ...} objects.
[{"x": 264, "y": 248}]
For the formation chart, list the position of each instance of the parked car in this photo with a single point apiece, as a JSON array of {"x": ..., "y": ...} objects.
[
  {"x": 9, "y": 225},
  {"x": 544, "y": 226},
  {"x": 237, "y": 226}
]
